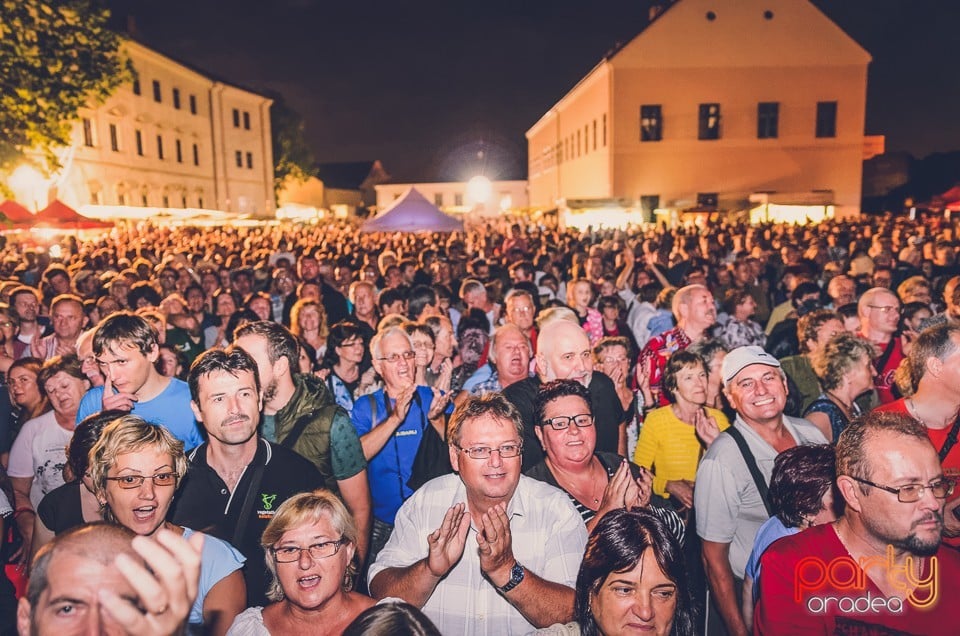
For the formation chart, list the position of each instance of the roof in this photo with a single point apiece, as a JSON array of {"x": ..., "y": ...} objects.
[{"x": 350, "y": 175}]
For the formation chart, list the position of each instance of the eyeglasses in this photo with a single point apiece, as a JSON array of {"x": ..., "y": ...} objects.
[
  {"x": 885, "y": 309},
  {"x": 941, "y": 489},
  {"x": 394, "y": 358},
  {"x": 483, "y": 452},
  {"x": 562, "y": 422},
  {"x": 130, "y": 482},
  {"x": 6, "y": 324},
  {"x": 291, "y": 553}
]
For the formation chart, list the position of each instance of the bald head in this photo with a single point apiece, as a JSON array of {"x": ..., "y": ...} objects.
[{"x": 564, "y": 353}]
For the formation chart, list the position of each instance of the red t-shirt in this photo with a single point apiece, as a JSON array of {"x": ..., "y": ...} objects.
[
  {"x": 938, "y": 437},
  {"x": 884, "y": 380},
  {"x": 802, "y": 592}
]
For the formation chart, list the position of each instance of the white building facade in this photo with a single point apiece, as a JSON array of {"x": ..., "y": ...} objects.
[
  {"x": 172, "y": 140},
  {"x": 717, "y": 104},
  {"x": 478, "y": 196}
]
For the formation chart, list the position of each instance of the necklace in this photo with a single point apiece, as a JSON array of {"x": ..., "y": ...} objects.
[
  {"x": 847, "y": 408},
  {"x": 586, "y": 495}
]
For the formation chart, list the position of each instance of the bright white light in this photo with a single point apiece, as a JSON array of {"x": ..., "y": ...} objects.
[
  {"x": 29, "y": 186},
  {"x": 479, "y": 190}
]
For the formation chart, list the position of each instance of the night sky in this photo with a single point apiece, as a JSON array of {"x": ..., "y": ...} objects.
[{"x": 444, "y": 90}]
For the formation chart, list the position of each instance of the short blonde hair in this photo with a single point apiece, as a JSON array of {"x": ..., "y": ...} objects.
[
  {"x": 307, "y": 508},
  {"x": 129, "y": 434},
  {"x": 838, "y": 357}
]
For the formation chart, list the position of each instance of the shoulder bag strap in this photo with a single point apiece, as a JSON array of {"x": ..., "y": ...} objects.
[
  {"x": 751, "y": 462},
  {"x": 887, "y": 352},
  {"x": 247, "y": 508},
  {"x": 951, "y": 440}
]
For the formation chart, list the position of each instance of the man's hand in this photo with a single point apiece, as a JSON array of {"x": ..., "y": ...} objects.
[
  {"x": 64, "y": 349},
  {"x": 166, "y": 591},
  {"x": 496, "y": 545},
  {"x": 446, "y": 543},
  {"x": 438, "y": 404},
  {"x": 403, "y": 402},
  {"x": 682, "y": 489},
  {"x": 119, "y": 400}
]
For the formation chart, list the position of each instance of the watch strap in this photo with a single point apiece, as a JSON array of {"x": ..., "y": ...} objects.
[{"x": 516, "y": 577}]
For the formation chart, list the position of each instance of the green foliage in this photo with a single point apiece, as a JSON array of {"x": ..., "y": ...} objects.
[
  {"x": 55, "y": 58},
  {"x": 291, "y": 154}
]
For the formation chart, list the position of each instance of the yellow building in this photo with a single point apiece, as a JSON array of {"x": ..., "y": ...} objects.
[
  {"x": 173, "y": 140},
  {"x": 715, "y": 102}
]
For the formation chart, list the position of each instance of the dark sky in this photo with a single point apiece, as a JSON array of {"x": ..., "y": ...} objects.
[{"x": 425, "y": 85}]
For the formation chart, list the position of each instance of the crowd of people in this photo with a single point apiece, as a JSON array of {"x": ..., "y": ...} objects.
[{"x": 517, "y": 429}]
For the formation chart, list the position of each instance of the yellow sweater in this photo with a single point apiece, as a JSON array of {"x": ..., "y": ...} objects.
[{"x": 670, "y": 447}]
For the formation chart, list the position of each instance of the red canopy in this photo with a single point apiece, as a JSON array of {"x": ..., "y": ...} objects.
[
  {"x": 61, "y": 215},
  {"x": 16, "y": 213}
]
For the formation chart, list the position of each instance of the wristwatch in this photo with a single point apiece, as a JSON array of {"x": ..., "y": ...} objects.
[{"x": 516, "y": 576}]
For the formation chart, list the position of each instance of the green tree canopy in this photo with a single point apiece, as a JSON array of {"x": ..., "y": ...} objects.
[
  {"x": 55, "y": 58},
  {"x": 292, "y": 156}
]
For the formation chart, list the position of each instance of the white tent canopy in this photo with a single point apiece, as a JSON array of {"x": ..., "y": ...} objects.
[{"x": 413, "y": 213}]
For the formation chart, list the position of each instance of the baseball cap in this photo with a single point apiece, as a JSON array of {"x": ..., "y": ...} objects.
[{"x": 742, "y": 357}]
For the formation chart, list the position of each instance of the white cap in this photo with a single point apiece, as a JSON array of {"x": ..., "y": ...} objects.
[{"x": 741, "y": 358}]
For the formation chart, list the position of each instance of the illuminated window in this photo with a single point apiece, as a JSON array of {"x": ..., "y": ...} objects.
[
  {"x": 458, "y": 199},
  {"x": 114, "y": 138},
  {"x": 651, "y": 122},
  {"x": 768, "y": 118},
  {"x": 709, "y": 127},
  {"x": 826, "y": 119},
  {"x": 87, "y": 132},
  {"x": 176, "y": 98},
  {"x": 193, "y": 104},
  {"x": 157, "y": 94},
  {"x": 438, "y": 199}
]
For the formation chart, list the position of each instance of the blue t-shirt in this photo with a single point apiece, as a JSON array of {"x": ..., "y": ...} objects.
[
  {"x": 391, "y": 468},
  {"x": 771, "y": 530},
  {"x": 170, "y": 409},
  {"x": 217, "y": 560}
]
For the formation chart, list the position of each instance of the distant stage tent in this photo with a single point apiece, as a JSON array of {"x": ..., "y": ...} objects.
[
  {"x": 14, "y": 214},
  {"x": 59, "y": 215},
  {"x": 413, "y": 213}
]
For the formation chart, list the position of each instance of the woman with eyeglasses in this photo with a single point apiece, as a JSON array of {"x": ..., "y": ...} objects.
[
  {"x": 343, "y": 363},
  {"x": 135, "y": 468},
  {"x": 310, "y": 550},
  {"x": 595, "y": 482}
]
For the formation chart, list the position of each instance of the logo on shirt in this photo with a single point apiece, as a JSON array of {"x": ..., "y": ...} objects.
[
  {"x": 267, "y": 501},
  {"x": 844, "y": 574}
]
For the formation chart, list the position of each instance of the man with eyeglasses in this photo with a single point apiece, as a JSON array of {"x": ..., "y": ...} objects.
[
  {"x": 879, "y": 312},
  {"x": 391, "y": 423},
  {"x": 502, "y": 550},
  {"x": 729, "y": 498},
  {"x": 883, "y": 556},
  {"x": 300, "y": 413},
  {"x": 521, "y": 311}
]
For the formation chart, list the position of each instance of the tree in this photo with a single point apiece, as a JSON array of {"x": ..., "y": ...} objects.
[
  {"x": 292, "y": 156},
  {"x": 55, "y": 58}
]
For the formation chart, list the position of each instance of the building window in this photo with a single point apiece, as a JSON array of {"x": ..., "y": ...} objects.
[
  {"x": 87, "y": 132},
  {"x": 200, "y": 202},
  {"x": 578, "y": 142},
  {"x": 586, "y": 139},
  {"x": 458, "y": 199},
  {"x": 246, "y": 120},
  {"x": 709, "y": 121},
  {"x": 121, "y": 198},
  {"x": 768, "y": 117},
  {"x": 114, "y": 138},
  {"x": 157, "y": 94},
  {"x": 649, "y": 203},
  {"x": 179, "y": 152},
  {"x": 604, "y": 130},
  {"x": 651, "y": 122},
  {"x": 176, "y": 98},
  {"x": 139, "y": 137},
  {"x": 239, "y": 157},
  {"x": 183, "y": 201},
  {"x": 193, "y": 104},
  {"x": 143, "y": 199},
  {"x": 236, "y": 118},
  {"x": 438, "y": 199},
  {"x": 250, "y": 160},
  {"x": 707, "y": 200},
  {"x": 136, "y": 85},
  {"x": 196, "y": 155},
  {"x": 594, "y": 134},
  {"x": 160, "y": 146},
  {"x": 95, "y": 197},
  {"x": 826, "y": 119},
  {"x": 166, "y": 201}
]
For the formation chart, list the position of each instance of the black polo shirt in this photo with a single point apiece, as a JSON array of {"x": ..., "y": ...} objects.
[
  {"x": 204, "y": 503},
  {"x": 608, "y": 414}
]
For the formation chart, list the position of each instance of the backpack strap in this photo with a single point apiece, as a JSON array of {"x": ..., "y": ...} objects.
[
  {"x": 751, "y": 463},
  {"x": 951, "y": 440}
]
